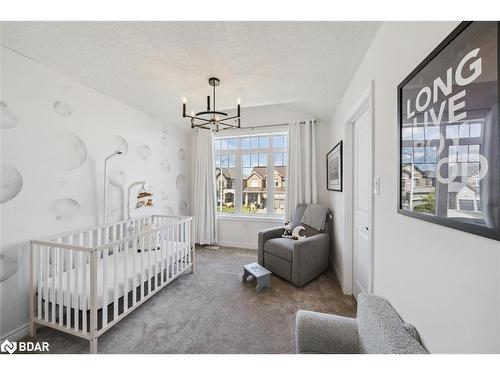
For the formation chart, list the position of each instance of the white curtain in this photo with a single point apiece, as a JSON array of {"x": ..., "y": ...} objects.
[
  {"x": 301, "y": 184},
  {"x": 204, "y": 190}
]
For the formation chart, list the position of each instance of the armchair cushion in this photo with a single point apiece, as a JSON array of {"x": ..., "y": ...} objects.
[
  {"x": 325, "y": 333},
  {"x": 264, "y": 236},
  {"x": 280, "y": 247}
]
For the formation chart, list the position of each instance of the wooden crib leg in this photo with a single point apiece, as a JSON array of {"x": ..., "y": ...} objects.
[
  {"x": 32, "y": 329},
  {"x": 93, "y": 346}
]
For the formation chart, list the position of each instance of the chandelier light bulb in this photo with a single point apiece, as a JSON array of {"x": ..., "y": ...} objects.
[
  {"x": 239, "y": 101},
  {"x": 184, "y": 100}
]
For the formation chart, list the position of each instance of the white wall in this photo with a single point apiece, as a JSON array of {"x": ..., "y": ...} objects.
[
  {"x": 59, "y": 151},
  {"x": 444, "y": 281},
  {"x": 243, "y": 232}
]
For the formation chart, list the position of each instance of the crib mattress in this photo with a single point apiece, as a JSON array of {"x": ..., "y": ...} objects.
[{"x": 173, "y": 251}]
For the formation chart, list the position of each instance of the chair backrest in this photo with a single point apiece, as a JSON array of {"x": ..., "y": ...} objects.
[
  {"x": 297, "y": 220},
  {"x": 381, "y": 330},
  {"x": 297, "y": 215}
]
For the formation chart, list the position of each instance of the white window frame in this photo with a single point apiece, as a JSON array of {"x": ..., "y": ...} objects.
[{"x": 238, "y": 188}]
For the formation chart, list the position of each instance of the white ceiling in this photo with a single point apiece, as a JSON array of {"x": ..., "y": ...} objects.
[{"x": 152, "y": 65}]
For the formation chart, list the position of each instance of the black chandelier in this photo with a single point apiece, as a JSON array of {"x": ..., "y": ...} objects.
[{"x": 211, "y": 118}]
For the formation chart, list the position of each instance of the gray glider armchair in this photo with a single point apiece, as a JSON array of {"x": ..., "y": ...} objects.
[{"x": 297, "y": 261}]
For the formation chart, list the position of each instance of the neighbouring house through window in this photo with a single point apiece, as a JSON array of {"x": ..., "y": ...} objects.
[{"x": 243, "y": 167}]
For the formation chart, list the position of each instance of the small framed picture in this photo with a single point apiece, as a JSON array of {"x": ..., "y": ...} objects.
[{"x": 334, "y": 168}]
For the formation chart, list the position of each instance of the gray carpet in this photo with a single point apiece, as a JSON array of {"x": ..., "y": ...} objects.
[{"x": 212, "y": 311}]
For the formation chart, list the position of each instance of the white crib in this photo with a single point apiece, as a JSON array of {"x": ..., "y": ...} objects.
[{"x": 84, "y": 282}]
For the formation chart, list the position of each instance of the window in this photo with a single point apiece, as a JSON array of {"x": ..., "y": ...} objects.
[{"x": 243, "y": 165}]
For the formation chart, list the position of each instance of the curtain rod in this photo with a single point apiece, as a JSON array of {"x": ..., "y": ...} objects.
[{"x": 264, "y": 126}]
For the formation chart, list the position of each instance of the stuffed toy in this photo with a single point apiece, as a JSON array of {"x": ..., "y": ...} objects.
[
  {"x": 296, "y": 232},
  {"x": 287, "y": 230}
]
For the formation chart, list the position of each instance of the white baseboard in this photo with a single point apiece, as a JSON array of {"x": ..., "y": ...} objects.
[
  {"x": 339, "y": 277},
  {"x": 248, "y": 246},
  {"x": 17, "y": 333}
]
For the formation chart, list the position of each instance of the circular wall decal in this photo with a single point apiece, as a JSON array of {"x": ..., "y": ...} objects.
[
  {"x": 117, "y": 177},
  {"x": 165, "y": 165},
  {"x": 8, "y": 265},
  {"x": 7, "y": 118},
  {"x": 68, "y": 151},
  {"x": 65, "y": 209},
  {"x": 120, "y": 144},
  {"x": 145, "y": 152},
  {"x": 180, "y": 181},
  {"x": 181, "y": 154},
  {"x": 62, "y": 108},
  {"x": 11, "y": 182}
]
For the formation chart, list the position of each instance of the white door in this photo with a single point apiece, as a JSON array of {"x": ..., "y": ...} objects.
[{"x": 361, "y": 204}]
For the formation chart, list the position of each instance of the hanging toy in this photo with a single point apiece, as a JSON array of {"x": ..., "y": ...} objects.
[{"x": 144, "y": 199}]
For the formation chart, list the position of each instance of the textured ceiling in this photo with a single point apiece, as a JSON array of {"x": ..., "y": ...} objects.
[{"x": 152, "y": 65}]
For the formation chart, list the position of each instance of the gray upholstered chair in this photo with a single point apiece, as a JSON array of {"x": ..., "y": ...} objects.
[
  {"x": 296, "y": 261},
  {"x": 378, "y": 329}
]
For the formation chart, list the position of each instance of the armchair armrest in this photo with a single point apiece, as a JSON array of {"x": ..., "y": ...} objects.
[
  {"x": 311, "y": 257},
  {"x": 264, "y": 235},
  {"x": 325, "y": 333}
]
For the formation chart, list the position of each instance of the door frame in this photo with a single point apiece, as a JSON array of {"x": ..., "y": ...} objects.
[{"x": 365, "y": 103}]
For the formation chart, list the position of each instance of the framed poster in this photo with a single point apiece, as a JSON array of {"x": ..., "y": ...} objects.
[
  {"x": 449, "y": 138},
  {"x": 334, "y": 168}
]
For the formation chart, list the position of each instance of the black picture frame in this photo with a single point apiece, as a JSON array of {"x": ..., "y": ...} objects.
[
  {"x": 466, "y": 225},
  {"x": 337, "y": 150}
]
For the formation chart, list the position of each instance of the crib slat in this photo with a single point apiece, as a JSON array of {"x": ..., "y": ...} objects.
[
  {"x": 74, "y": 292},
  {"x": 183, "y": 245},
  {"x": 52, "y": 292},
  {"x": 143, "y": 260},
  {"x": 39, "y": 286},
  {"x": 141, "y": 284},
  {"x": 156, "y": 239},
  {"x": 69, "y": 261},
  {"x": 188, "y": 242},
  {"x": 134, "y": 271},
  {"x": 46, "y": 283},
  {"x": 83, "y": 301},
  {"x": 177, "y": 255},
  {"x": 125, "y": 276},
  {"x": 105, "y": 283},
  {"x": 171, "y": 250},
  {"x": 78, "y": 239},
  {"x": 180, "y": 249},
  {"x": 115, "y": 276},
  {"x": 162, "y": 259},
  {"x": 150, "y": 266},
  {"x": 60, "y": 297}
]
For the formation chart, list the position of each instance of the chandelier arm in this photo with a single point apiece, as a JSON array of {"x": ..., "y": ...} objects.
[
  {"x": 202, "y": 123},
  {"x": 231, "y": 118},
  {"x": 230, "y": 125},
  {"x": 203, "y": 127},
  {"x": 197, "y": 118}
]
